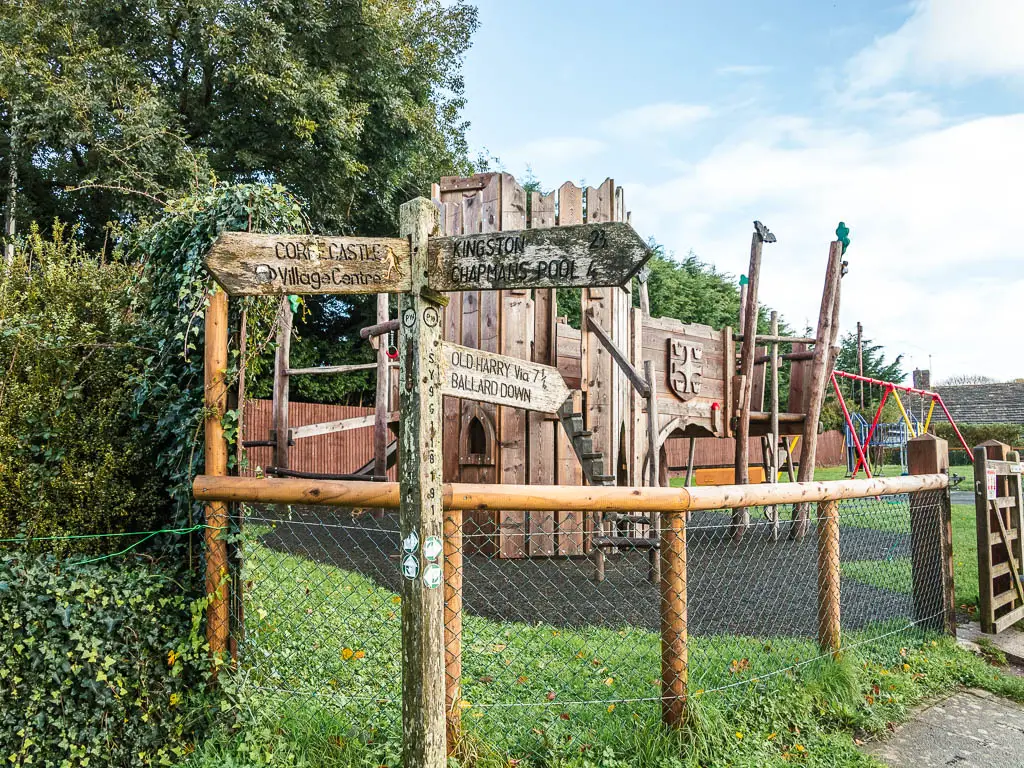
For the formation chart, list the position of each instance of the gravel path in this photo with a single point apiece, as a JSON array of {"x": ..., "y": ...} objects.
[{"x": 760, "y": 587}]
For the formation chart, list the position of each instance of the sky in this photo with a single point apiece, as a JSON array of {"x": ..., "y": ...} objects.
[{"x": 904, "y": 120}]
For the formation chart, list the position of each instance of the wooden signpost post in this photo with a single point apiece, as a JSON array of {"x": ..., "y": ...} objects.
[{"x": 419, "y": 267}]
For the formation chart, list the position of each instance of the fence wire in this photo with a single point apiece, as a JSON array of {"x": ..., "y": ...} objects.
[{"x": 554, "y": 661}]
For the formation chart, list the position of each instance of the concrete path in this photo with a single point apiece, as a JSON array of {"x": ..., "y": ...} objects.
[{"x": 971, "y": 729}]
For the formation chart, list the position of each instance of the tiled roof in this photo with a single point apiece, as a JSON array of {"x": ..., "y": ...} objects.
[{"x": 983, "y": 403}]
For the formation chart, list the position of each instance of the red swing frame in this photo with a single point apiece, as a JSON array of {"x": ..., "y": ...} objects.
[{"x": 888, "y": 387}]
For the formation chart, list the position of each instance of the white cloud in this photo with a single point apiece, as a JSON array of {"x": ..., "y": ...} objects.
[
  {"x": 557, "y": 151},
  {"x": 934, "y": 219},
  {"x": 946, "y": 41},
  {"x": 744, "y": 70},
  {"x": 654, "y": 119}
]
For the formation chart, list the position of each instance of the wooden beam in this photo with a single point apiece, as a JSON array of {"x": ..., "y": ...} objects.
[
  {"x": 774, "y": 338},
  {"x": 772, "y": 455},
  {"x": 819, "y": 379},
  {"x": 215, "y": 361},
  {"x": 795, "y": 356},
  {"x": 381, "y": 328},
  {"x": 590, "y": 498},
  {"x": 931, "y": 539},
  {"x": 341, "y": 425},
  {"x": 741, "y": 517},
  {"x": 380, "y": 404},
  {"x": 653, "y": 457},
  {"x": 620, "y": 359},
  {"x": 674, "y": 645},
  {"x": 453, "y": 624},
  {"x": 828, "y": 577},
  {"x": 332, "y": 368},
  {"x": 420, "y": 514},
  {"x": 279, "y": 403}
]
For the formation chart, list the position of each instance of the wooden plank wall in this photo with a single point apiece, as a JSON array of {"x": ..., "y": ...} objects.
[{"x": 530, "y": 448}]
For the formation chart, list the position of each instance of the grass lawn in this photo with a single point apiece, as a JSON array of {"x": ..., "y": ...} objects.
[{"x": 321, "y": 686}]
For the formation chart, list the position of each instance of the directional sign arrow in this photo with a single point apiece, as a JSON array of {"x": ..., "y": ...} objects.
[
  {"x": 587, "y": 255},
  {"x": 478, "y": 375},
  {"x": 247, "y": 264}
]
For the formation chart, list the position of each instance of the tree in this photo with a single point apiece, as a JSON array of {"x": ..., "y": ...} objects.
[
  {"x": 353, "y": 105},
  {"x": 966, "y": 378},
  {"x": 876, "y": 366}
]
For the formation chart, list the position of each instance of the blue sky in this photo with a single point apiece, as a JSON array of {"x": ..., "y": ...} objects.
[{"x": 906, "y": 120}]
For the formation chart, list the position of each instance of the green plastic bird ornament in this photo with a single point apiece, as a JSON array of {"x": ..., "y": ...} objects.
[{"x": 843, "y": 235}]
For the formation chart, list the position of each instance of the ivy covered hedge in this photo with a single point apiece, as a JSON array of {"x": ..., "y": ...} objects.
[
  {"x": 102, "y": 663},
  {"x": 169, "y": 387},
  {"x": 71, "y": 461}
]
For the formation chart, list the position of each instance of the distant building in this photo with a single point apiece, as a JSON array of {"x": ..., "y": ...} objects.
[{"x": 983, "y": 403}]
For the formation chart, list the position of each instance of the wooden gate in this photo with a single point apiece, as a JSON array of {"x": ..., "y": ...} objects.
[{"x": 1000, "y": 520}]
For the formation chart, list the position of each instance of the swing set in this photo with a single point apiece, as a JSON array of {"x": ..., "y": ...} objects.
[{"x": 886, "y": 435}]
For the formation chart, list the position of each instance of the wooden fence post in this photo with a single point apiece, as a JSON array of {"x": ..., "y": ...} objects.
[
  {"x": 673, "y": 619},
  {"x": 453, "y": 623},
  {"x": 420, "y": 515},
  {"x": 931, "y": 538},
  {"x": 986, "y": 525},
  {"x": 828, "y": 576},
  {"x": 215, "y": 361}
]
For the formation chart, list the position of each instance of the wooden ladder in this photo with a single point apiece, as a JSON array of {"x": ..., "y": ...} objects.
[{"x": 593, "y": 464}]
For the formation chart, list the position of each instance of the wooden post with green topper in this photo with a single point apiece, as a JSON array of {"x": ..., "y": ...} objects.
[{"x": 420, "y": 513}]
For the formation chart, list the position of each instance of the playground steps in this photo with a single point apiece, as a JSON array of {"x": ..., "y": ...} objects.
[
  {"x": 593, "y": 464},
  {"x": 582, "y": 441}
]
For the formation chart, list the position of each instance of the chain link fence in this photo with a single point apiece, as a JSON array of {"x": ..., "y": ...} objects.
[{"x": 553, "y": 661}]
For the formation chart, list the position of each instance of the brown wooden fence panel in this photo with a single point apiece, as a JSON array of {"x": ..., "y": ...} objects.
[{"x": 336, "y": 453}]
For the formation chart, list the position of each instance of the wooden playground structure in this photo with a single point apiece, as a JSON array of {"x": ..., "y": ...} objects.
[{"x": 635, "y": 381}]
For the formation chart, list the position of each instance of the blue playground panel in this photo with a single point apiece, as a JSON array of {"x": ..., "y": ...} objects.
[{"x": 888, "y": 434}]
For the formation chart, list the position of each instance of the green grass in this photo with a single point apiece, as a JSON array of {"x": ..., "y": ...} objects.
[
  {"x": 965, "y": 545},
  {"x": 333, "y": 636},
  {"x": 895, "y": 573}
]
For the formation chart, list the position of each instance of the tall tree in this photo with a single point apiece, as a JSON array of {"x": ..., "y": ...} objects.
[
  {"x": 354, "y": 105},
  {"x": 876, "y": 366}
]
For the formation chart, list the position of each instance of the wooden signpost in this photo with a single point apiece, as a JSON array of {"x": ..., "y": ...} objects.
[
  {"x": 418, "y": 267},
  {"x": 499, "y": 379},
  {"x": 581, "y": 256},
  {"x": 248, "y": 264}
]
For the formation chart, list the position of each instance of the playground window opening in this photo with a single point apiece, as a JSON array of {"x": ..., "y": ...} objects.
[{"x": 477, "y": 438}]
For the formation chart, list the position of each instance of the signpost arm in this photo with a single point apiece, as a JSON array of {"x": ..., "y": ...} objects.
[{"x": 423, "y": 653}]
